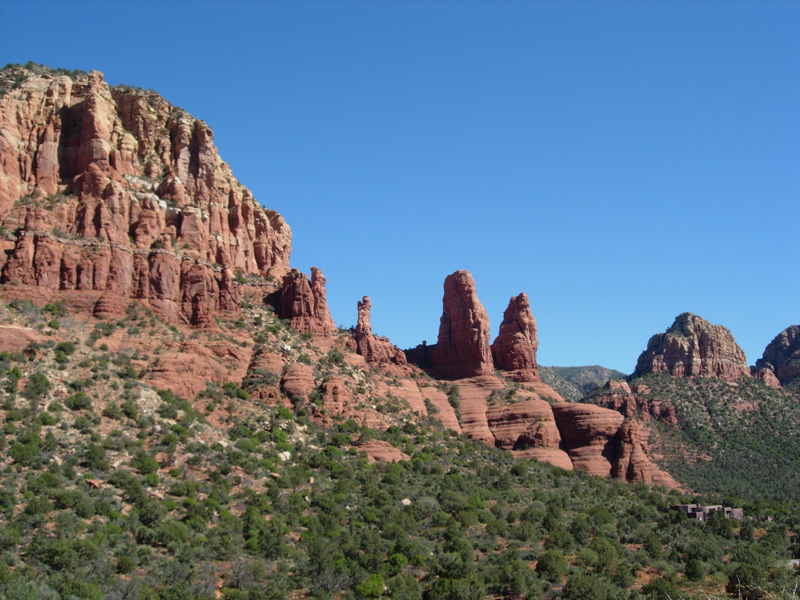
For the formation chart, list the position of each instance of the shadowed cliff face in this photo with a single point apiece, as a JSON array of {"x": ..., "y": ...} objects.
[
  {"x": 693, "y": 347},
  {"x": 782, "y": 355},
  {"x": 115, "y": 192}
]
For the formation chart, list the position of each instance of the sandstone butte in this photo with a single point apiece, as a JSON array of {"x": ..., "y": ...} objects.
[
  {"x": 693, "y": 347},
  {"x": 114, "y": 195}
]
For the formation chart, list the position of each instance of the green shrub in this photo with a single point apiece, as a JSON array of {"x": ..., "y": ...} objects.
[{"x": 78, "y": 401}]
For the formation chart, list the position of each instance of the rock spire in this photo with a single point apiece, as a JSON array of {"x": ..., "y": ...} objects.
[
  {"x": 463, "y": 348},
  {"x": 514, "y": 349}
]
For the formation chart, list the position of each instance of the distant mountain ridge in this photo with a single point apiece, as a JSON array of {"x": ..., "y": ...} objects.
[{"x": 575, "y": 382}]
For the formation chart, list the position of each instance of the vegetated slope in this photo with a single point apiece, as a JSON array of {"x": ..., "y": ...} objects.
[
  {"x": 575, "y": 382},
  {"x": 112, "y": 489},
  {"x": 731, "y": 437}
]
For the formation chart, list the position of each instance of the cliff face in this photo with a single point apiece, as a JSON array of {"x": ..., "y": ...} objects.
[
  {"x": 782, "y": 355},
  {"x": 114, "y": 191},
  {"x": 693, "y": 347}
]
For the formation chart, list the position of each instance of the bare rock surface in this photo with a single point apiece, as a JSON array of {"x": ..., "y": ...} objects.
[
  {"x": 633, "y": 463},
  {"x": 782, "y": 355},
  {"x": 463, "y": 348},
  {"x": 375, "y": 349},
  {"x": 693, "y": 347},
  {"x": 380, "y": 451},
  {"x": 304, "y": 302},
  {"x": 115, "y": 190},
  {"x": 587, "y": 432},
  {"x": 514, "y": 349}
]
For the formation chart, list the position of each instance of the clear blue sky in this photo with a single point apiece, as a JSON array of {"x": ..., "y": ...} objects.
[{"x": 620, "y": 162}]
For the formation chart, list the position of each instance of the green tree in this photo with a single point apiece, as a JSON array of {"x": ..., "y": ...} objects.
[
  {"x": 38, "y": 385},
  {"x": 552, "y": 565}
]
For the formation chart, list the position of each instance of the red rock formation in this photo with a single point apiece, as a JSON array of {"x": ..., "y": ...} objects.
[
  {"x": 587, "y": 432},
  {"x": 633, "y": 463},
  {"x": 463, "y": 348},
  {"x": 298, "y": 380},
  {"x": 618, "y": 395},
  {"x": 514, "y": 349},
  {"x": 373, "y": 348},
  {"x": 187, "y": 370},
  {"x": 767, "y": 377},
  {"x": 783, "y": 355},
  {"x": 529, "y": 428},
  {"x": 117, "y": 191},
  {"x": 304, "y": 303},
  {"x": 379, "y": 451},
  {"x": 693, "y": 347},
  {"x": 110, "y": 306}
]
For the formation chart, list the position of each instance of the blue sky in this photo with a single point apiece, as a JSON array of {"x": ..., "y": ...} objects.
[{"x": 620, "y": 162}]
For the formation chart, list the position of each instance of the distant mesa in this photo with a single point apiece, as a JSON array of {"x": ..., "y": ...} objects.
[{"x": 693, "y": 347}]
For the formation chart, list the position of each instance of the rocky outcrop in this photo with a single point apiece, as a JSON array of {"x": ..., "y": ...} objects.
[
  {"x": 634, "y": 401},
  {"x": 114, "y": 190},
  {"x": 463, "y": 348},
  {"x": 305, "y": 303},
  {"x": 693, "y": 347},
  {"x": 298, "y": 380},
  {"x": 767, "y": 376},
  {"x": 782, "y": 355},
  {"x": 514, "y": 349},
  {"x": 632, "y": 463},
  {"x": 373, "y": 348},
  {"x": 529, "y": 429},
  {"x": 588, "y": 433},
  {"x": 380, "y": 451}
]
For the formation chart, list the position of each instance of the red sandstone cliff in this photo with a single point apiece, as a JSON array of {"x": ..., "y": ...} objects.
[
  {"x": 304, "y": 303},
  {"x": 693, "y": 347},
  {"x": 115, "y": 192}
]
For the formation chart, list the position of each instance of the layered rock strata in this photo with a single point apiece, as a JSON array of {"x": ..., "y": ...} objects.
[
  {"x": 514, "y": 349},
  {"x": 782, "y": 355},
  {"x": 693, "y": 347},
  {"x": 117, "y": 192}
]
